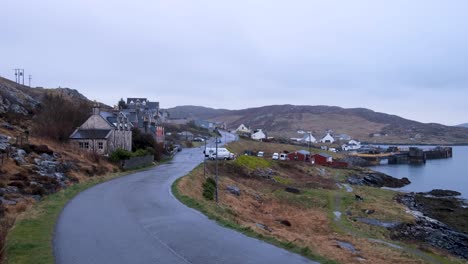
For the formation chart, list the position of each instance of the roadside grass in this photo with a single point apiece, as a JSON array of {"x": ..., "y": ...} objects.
[
  {"x": 30, "y": 239},
  {"x": 225, "y": 218},
  {"x": 251, "y": 162}
]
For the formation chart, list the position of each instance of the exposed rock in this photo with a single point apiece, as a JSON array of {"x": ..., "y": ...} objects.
[
  {"x": 346, "y": 245},
  {"x": 7, "y": 125},
  {"x": 234, "y": 190},
  {"x": 19, "y": 161},
  {"x": 434, "y": 225},
  {"x": 368, "y": 211},
  {"x": 375, "y": 222},
  {"x": 292, "y": 190},
  {"x": 442, "y": 193},
  {"x": 20, "y": 153},
  {"x": 377, "y": 179},
  {"x": 265, "y": 173},
  {"x": 265, "y": 227},
  {"x": 7, "y": 202}
]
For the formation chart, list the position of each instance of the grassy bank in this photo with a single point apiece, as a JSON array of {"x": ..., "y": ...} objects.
[
  {"x": 226, "y": 222},
  {"x": 30, "y": 239}
]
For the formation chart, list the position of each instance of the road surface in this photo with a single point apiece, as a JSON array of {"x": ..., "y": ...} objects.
[{"x": 135, "y": 219}]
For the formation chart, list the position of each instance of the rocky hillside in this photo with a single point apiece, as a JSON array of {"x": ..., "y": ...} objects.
[
  {"x": 363, "y": 124},
  {"x": 463, "y": 125},
  {"x": 20, "y": 99}
]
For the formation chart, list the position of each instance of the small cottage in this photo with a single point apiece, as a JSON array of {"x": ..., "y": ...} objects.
[
  {"x": 258, "y": 135},
  {"x": 242, "y": 129},
  {"x": 308, "y": 138},
  {"x": 322, "y": 159},
  {"x": 101, "y": 135},
  {"x": 327, "y": 139},
  {"x": 301, "y": 155}
]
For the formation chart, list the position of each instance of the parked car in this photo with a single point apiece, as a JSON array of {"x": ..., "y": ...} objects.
[
  {"x": 177, "y": 147},
  {"x": 223, "y": 154},
  {"x": 275, "y": 156},
  {"x": 199, "y": 139},
  {"x": 260, "y": 154},
  {"x": 283, "y": 156}
]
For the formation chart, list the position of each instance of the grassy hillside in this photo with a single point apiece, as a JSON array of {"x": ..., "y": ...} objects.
[
  {"x": 363, "y": 124},
  {"x": 303, "y": 222}
]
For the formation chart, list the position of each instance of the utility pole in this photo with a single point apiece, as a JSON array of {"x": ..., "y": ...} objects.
[
  {"x": 310, "y": 141},
  {"x": 204, "y": 161},
  {"x": 16, "y": 75},
  {"x": 216, "y": 177},
  {"x": 30, "y": 78}
]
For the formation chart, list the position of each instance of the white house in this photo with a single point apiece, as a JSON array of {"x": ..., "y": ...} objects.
[
  {"x": 258, "y": 135},
  {"x": 327, "y": 139},
  {"x": 308, "y": 138},
  {"x": 352, "y": 145},
  {"x": 242, "y": 129}
]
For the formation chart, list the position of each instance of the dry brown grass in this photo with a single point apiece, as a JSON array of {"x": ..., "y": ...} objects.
[{"x": 310, "y": 227}]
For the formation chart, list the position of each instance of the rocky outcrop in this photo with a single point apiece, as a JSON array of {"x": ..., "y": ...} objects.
[
  {"x": 377, "y": 179},
  {"x": 14, "y": 100},
  {"x": 439, "y": 221}
]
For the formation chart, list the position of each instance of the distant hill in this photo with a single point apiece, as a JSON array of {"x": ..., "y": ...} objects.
[
  {"x": 463, "y": 125},
  {"x": 363, "y": 124}
]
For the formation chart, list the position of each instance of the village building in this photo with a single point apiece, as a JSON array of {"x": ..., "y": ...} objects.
[
  {"x": 327, "y": 139},
  {"x": 146, "y": 116},
  {"x": 103, "y": 133},
  {"x": 308, "y": 138},
  {"x": 301, "y": 155},
  {"x": 322, "y": 159},
  {"x": 242, "y": 129},
  {"x": 258, "y": 135},
  {"x": 351, "y": 145},
  {"x": 186, "y": 135}
]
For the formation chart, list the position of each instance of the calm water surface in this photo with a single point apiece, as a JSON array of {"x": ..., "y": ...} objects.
[{"x": 450, "y": 174}]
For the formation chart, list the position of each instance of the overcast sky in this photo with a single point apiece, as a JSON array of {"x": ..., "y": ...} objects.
[{"x": 408, "y": 58}]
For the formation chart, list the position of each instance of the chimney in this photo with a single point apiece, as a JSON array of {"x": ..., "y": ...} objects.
[{"x": 96, "y": 108}]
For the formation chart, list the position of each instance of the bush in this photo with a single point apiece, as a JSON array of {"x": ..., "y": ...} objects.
[
  {"x": 209, "y": 188},
  {"x": 120, "y": 154},
  {"x": 58, "y": 117},
  {"x": 141, "y": 153}
]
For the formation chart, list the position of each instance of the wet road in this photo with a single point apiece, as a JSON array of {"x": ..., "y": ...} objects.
[{"x": 135, "y": 219}]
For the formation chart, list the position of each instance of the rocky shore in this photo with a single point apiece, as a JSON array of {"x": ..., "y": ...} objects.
[
  {"x": 377, "y": 179},
  {"x": 440, "y": 221}
]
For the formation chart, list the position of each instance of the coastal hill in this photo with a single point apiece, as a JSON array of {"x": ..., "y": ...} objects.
[
  {"x": 19, "y": 99},
  {"x": 363, "y": 124},
  {"x": 463, "y": 125}
]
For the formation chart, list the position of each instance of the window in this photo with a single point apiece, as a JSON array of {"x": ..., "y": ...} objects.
[
  {"x": 100, "y": 145},
  {"x": 81, "y": 144},
  {"x": 86, "y": 145}
]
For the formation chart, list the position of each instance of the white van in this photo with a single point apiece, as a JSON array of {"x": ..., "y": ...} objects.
[
  {"x": 260, "y": 154},
  {"x": 275, "y": 156},
  {"x": 283, "y": 156},
  {"x": 223, "y": 153}
]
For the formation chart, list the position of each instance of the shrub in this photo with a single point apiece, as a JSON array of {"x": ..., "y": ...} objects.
[
  {"x": 141, "y": 153},
  {"x": 209, "y": 188},
  {"x": 58, "y": 117},
  {"x": 120, "y": 154}
]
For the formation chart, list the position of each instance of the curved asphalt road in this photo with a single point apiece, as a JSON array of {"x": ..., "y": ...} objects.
[{"x": 135, "y": 219}]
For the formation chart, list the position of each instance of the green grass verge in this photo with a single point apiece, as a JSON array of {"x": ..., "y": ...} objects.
[
  {"x": 30, "y": 239},
  {"x": 192, "y": 203}
]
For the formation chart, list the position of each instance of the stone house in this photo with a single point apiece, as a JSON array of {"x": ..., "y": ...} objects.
[{"x": 103, "y": 132}]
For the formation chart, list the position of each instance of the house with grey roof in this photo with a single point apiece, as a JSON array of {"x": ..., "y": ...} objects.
[{"x": 103, "y": 132}]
